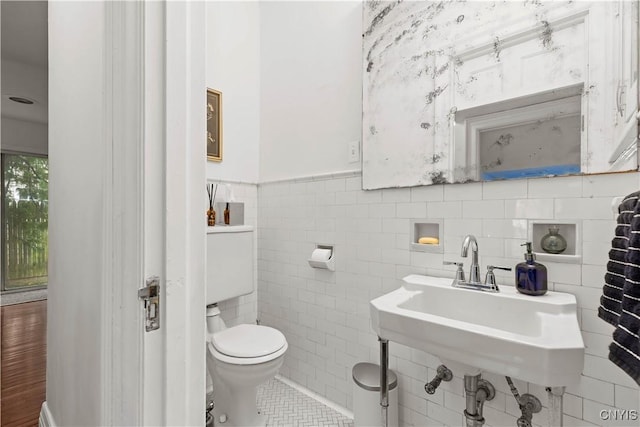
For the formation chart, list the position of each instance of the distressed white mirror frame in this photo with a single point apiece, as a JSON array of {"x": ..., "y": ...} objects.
[{"x": 407, "y": 141}]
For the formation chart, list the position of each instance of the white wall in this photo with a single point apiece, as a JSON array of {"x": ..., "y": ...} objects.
[
  {"x": 311, "y": 106},
  {"x": 233, "y": 67},
  {"x": 311, "y": 85},
  {"x": 24, "y": 127},
  {"x": 24, "y": 136},
  {"x": 74, "y": 388},
  {"x": 25, "y": 80}
]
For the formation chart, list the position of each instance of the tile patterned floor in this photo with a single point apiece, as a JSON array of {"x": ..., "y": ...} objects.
[{"x": 287, "y": 407}]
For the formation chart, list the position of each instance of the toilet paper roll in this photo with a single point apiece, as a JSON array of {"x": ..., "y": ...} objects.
[
  {"x": 322, "y": 258},
  {"x": 321, "y": 254}
]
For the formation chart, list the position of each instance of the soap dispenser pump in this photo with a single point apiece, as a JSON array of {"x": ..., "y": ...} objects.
[{"x": 531, "y": 276}]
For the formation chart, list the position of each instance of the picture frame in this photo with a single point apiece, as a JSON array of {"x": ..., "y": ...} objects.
[{"x": 214, "y": 125}]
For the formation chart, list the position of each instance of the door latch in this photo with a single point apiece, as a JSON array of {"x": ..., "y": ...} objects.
[{"x": 150, "y": 294}]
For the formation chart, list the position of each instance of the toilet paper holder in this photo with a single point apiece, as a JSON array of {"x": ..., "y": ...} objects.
[{"x": 323, "y": 257}]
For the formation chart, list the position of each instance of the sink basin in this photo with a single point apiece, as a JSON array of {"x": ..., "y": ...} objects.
[{"x": 535, "y": 339}]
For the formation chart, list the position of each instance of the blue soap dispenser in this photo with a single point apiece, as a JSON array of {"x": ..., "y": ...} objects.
[{"x": 531, "y": 276}]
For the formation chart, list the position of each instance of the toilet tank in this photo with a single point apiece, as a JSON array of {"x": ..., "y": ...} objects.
[{"x": 229, "y": 262}]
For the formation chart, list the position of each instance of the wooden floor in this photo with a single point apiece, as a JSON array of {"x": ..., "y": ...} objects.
[{"x": 23, "y": 363}]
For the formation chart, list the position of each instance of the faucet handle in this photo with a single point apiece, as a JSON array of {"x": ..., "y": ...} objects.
[
  {"x": 490, "y": 278},
  {"x": 493, "y": 267},
  {"x": 459, "y": 272}
]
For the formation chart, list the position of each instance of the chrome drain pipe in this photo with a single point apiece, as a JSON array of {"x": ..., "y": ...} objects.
[
  {"x": 384, "y": 382},
  {"x": 470, "y": 392},
  {"x": 477, "y": 391}
]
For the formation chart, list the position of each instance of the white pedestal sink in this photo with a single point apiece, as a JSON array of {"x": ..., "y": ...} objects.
[{"x": 535, "y": 339}]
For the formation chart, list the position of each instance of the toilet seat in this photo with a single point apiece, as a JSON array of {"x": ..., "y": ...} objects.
[{"x": 247, "y": 344}]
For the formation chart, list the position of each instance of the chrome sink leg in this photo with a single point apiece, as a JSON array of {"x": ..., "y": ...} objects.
[
  {"x": 384, "y": 382},
  {"x": 555, "y": 405}
]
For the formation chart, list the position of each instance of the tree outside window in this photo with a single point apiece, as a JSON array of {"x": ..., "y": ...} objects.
[{"x": 24, "y": 221}]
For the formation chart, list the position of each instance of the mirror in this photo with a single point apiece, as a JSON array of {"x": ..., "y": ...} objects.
[{"x": 458, "y": 92}]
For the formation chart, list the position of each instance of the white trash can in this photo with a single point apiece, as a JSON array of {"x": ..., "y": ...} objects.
[{"x": 367, "y": 411}]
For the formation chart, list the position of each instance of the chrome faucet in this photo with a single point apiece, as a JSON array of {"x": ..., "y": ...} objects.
[
  {"x": 474, "y": 281},
  {"x": 474, "y": 274}
]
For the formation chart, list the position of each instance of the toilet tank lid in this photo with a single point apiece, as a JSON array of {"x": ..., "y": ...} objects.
[
  {"x": 229, "y": 229},
  {"x": 248, "y": 341}
]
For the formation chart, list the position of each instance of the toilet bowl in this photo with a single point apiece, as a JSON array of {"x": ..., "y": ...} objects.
[{"x": 239, "y": 359}]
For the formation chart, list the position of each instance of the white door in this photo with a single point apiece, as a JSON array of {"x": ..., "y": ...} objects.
[{"x": 127, "y": 175}]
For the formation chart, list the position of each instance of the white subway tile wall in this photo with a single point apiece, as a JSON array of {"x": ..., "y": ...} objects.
[{"x": 325, "y": 315}]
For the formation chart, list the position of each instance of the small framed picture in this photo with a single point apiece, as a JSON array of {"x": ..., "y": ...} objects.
[{"x": 214, "y": 125}]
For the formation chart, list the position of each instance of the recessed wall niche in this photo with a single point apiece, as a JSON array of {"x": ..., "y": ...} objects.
[
  {"x": 570, "y": 230},
  {"x": 421, "y": 228}
]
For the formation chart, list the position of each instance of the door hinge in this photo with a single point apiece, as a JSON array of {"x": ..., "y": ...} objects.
[{"x": 150, "y": 294}]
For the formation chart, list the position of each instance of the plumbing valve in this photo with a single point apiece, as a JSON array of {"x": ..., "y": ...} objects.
[
  {"x": 529, "y": 405},
  {"x": 442, "y": 373},
  {"x": 208, "y": 414}
]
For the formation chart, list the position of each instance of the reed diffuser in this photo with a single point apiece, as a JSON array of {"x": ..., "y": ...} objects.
[{"x": 211, "y": 213}]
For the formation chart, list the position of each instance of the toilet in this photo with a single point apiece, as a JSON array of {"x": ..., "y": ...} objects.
[{"x": 241, "y": 357}]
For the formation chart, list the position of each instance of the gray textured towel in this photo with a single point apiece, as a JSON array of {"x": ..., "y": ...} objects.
[{"x": 620, "y": 301}]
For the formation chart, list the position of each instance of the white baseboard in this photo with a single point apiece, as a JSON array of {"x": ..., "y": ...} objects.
[
  {"x": 344, "y": 411},
  {"x": 46, "y": 419}
]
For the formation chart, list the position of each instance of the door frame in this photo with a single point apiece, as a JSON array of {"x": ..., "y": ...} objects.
[
  {"x": 156, "y": 96},
  {"x": 153, "y": 96}
]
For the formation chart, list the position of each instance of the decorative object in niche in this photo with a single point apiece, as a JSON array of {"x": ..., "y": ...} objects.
[
  {"x": 569, "y": 230},
  {"x": 214, "y": 125},
  {"x": 425, "y": 62},
  {"x": 553, "y": 242}
]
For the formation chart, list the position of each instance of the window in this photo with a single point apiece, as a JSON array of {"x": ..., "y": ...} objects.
[
  {"x": 533, "y": 135},
  {"x": 25, "y": 198}
]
